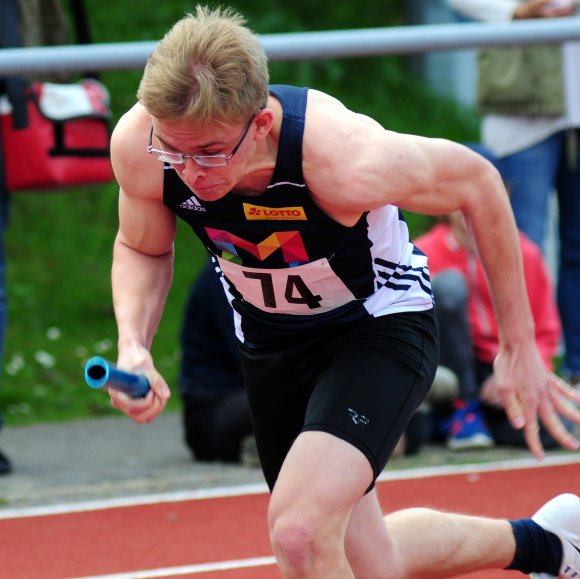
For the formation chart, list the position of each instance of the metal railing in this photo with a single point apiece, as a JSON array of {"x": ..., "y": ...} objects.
[{"x": 304, "y": 45}]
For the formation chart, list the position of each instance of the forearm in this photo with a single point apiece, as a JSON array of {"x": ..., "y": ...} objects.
[
  {"x": 494, "y": 229},
  {"x": 140, "y": 285}
]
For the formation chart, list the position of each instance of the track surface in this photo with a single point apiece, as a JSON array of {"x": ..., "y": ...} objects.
[{"x": 225, "y": 537}]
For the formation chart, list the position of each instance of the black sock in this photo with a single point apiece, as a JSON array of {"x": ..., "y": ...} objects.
[{"x": 537, "y": 550}]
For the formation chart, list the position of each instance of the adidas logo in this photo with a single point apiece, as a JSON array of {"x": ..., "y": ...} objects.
[{"x": 192, "y": 204}]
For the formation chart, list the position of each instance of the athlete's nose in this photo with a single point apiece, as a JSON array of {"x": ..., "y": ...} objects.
[{"x": 190, "y": 171}]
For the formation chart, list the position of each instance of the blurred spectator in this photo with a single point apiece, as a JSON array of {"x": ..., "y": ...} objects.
[
  {"x": 22, "y": 23},
  {"x": 469, "y": 332},
  {"x": 216, "y": 413},
  {"x": 43, "y": 23},
  {"x": 538, "y": 143}
]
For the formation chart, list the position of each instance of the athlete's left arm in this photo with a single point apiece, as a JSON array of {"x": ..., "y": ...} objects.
[{"x": 359, "y": 166}]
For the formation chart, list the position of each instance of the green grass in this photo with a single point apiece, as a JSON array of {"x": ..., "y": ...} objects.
[
  {"x": 59, "y": 243},
  {"x": 58, "y": 260}
]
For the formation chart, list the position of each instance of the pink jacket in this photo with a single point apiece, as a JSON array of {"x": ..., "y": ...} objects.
[{"x": 444, "y": 253}]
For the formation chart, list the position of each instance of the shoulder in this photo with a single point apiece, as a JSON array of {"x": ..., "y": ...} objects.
[
  {"x": 130, "y": 128},
  {"x": 341, "y": 150},
  {"x": 327, "y": 116},
  {"x": 135, "y": 170},
  {"x": 358, "y": 145}
]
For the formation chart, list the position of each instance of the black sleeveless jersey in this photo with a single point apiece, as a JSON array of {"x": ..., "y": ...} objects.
[{"x": 286, "y": 266}]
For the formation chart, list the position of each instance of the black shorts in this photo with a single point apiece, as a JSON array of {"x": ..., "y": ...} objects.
[{"x": 361, "y": 383}]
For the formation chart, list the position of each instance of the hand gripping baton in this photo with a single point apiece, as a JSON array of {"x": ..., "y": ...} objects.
[{"x": 100, "y": 373}]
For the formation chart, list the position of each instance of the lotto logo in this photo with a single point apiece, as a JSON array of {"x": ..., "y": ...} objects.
[{"x": 255, "y": 212}]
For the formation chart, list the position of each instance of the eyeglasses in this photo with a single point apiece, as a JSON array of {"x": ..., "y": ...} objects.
[{"x": 219, "y": 160}]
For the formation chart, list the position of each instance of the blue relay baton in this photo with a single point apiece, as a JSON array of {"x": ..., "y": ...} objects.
[{"x": 100, "y": 373}]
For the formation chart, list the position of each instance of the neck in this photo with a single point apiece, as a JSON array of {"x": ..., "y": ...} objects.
[{"x": 260, "y": 169}]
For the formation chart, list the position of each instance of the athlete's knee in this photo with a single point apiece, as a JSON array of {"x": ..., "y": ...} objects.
[
  {"x": 302, "y": 540},
  {"x": 295, "y": 541}
]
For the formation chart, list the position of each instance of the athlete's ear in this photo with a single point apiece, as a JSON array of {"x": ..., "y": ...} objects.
[{"x": 264, "y": 120}]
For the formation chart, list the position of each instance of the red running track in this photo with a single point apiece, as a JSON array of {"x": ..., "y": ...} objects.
[{"x": 166, "y": 536}]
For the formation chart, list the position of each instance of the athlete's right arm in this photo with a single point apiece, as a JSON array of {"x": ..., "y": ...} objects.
[{"x": 142, "y": 260}]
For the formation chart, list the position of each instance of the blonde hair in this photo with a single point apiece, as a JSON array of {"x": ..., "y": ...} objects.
[{"x": 208, "y": 68}]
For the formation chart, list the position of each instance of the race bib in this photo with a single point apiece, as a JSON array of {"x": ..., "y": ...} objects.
[{"x": 312, "y": 288}]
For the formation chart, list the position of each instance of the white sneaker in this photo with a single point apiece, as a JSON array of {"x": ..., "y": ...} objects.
[{"x": 561, "y": 516}]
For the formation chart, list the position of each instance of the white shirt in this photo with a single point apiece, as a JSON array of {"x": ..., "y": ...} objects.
[{"x": 505, "y": 135}]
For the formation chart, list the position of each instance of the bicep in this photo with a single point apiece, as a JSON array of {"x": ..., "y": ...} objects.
[
  {"x": 145, "y": 224},
  {"x": 437, "y": 176},
  {"x": 353, "y": 165}
]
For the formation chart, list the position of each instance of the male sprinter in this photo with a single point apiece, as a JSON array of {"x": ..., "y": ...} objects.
[{"x": 298, "y": 199}]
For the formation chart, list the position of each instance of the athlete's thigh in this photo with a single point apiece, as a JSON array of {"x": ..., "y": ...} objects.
[
  {"x": 374, "y": 384},
  {"x": 278, "y": 401},
  {"x": 335, "y": 381}
]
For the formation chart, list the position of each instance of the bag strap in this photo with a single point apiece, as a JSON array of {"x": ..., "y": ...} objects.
[
  {"x": 10, "y": 38},
  {"x": 82, "y": 29},
  {"x": 81, "y": 22}
]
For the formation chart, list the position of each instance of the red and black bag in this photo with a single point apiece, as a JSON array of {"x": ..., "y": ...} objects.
[
  {"x": 65, "y": 141},
  {"x": 53, "y": 135}
]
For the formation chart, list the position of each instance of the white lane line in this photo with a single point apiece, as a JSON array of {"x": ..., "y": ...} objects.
[
  {"x": 255, "y": 489},
  {"x": 134, "y": 501},
  {"x": 189, "y": 569},
  {"x": 496, "y": 466}
]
